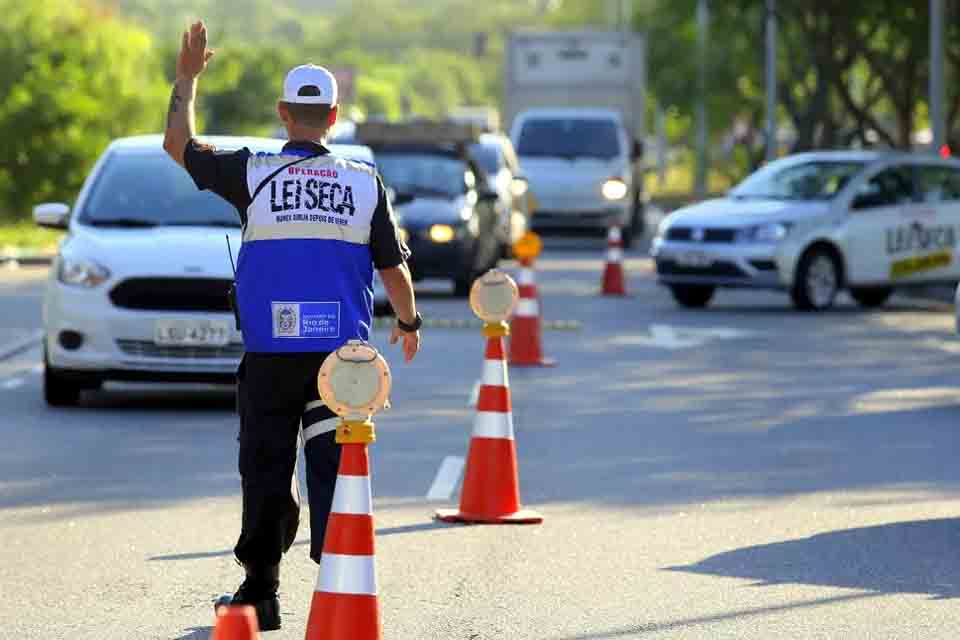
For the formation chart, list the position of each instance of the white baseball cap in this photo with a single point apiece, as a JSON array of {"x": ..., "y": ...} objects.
[{"x": 310, "y": 84}]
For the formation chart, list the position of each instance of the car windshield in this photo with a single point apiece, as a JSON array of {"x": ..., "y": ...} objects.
[
  {"x": 569, "y": 138},
  {"x": 150, "y": 189},
  {"x": 422, "y": 173},
  {"x": 487, "y": 156},
  {"x": 814, "y": 180}
]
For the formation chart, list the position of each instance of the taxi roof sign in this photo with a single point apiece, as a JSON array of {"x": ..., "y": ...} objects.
[
  {"x": 528, "y": 247},
  {"x": 418, "y": 132}
]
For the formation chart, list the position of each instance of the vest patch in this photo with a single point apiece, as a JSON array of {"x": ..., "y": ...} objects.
[{"x": 306, "y": 319}]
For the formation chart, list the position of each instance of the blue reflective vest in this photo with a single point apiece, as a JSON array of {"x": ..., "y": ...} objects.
[{"x": 305, "y": 272}]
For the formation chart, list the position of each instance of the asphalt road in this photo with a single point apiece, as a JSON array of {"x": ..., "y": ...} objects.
[{"x": 742, "y": 472}]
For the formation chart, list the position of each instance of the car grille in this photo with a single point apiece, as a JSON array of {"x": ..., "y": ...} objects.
[
  {"x": 147, "y": 349},
  {"x": 718, "y": 269},
  {"x": 172, "y": 294},
  {"x": 685, "y": 234}
]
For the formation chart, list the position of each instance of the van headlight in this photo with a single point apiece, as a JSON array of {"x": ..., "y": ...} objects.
[
  {"x": 769, "y": 233},
  {"x": 82, "y": 272},
  {"x": 614, "y": 189}
]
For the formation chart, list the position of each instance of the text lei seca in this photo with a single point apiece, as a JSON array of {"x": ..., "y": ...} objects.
[{"x": 312, "y": 195}]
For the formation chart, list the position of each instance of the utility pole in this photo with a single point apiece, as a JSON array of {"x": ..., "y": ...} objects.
[
  {"x": 700, "y": 179},
  {"x": 771, "y": 69},
  {"x": 937, "y": 113}
]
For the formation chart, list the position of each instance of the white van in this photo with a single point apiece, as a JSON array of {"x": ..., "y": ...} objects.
[{"x": 579, "y": 165}]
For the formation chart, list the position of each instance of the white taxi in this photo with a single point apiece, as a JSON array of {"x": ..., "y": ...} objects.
[{"x": 814, "y": 224}]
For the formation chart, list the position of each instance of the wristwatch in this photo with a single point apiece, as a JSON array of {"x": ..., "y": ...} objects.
[{"x": 411, "y": 328}]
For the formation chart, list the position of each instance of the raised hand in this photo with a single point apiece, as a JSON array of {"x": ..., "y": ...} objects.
[{"x": 194, "y": 54}]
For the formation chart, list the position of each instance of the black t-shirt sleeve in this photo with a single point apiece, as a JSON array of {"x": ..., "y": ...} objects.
[
  {"x": 386, "y": 246},
  {"x": 222, "y": 172}
]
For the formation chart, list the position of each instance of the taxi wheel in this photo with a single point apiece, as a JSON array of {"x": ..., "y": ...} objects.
[
  {"x": 871, "y": 297},
  {"x": 818, "y": 280},
  {"x": 59, "y": 391},
  {"x": 692, "y": 296}
]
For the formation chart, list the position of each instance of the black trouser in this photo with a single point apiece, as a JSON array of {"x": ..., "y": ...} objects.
[{"x": 275, "y": 394}]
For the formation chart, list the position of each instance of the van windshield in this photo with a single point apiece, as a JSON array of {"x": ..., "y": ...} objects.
[{"x": 569, "y": 138}]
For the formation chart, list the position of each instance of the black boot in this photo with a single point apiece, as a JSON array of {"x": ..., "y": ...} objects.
[{"x": 259, "y": 590}]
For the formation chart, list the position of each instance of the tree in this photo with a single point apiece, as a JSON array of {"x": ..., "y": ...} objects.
[{"x": 73, "y": 78}]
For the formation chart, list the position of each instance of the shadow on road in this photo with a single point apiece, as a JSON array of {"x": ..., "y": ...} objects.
[
  {"x": 383, "y": 531},
  {"x": 902, "y": 557},
  {"x": 196, "y": 633},
  {"x": 674, "y": 625}
]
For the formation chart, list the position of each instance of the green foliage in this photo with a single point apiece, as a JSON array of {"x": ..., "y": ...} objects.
[{"x": 73, "y": 78}]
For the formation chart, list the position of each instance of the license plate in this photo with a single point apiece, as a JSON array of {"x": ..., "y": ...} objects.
[
  {"x": 192, "y": 333},
  {"x": 694, "y": 259}
]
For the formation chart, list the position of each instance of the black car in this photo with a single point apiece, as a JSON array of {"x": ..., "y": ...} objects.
[{"x": 448, "y": 210}]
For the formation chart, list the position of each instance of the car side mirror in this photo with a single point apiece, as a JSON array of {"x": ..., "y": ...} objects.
[
  {"x": 52, "y": 215},
  {"x": 401, "y": 199},
  {"x": 485, "y": 194},
  {"x": 866, "y": 201}
]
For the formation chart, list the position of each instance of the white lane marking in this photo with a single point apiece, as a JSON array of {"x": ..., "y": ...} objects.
[
  {"x": 474, "y": 394},
  {"x": 664, "y": 336},
  {"x": 13, "y": 348},
  {"x": 13, "y": 383},
  {"x": 448, "y": 475}
]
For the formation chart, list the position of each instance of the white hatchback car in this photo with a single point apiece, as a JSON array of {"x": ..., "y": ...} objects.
[
  {"x": 138, "y": 291},
  {"x": 816, "y": 223}
]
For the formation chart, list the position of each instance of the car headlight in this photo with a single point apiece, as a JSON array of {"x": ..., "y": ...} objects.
[
  {"x": 764, "y": 233},
  {"x": 442, "y": 233},
  {"x": 614, "y": 189},
  {"x": 82, "y": 272}
]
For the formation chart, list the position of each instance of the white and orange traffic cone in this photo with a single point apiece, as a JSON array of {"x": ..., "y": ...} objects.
[
  {"x": 345, "y": 605},
  {"x": 236, "y": 622},
  {"x": 525, "y": 332},
  {"x": 491, "y": 486},
  {"x": 613, "y": 281}
]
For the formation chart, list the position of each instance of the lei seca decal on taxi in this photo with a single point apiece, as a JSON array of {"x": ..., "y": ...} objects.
[{"x": 917, "y": 237}]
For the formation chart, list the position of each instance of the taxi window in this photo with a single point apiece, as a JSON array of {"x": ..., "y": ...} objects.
[
  {"x": 891, "y": 187},
  {"x": 938, "y": 184}
]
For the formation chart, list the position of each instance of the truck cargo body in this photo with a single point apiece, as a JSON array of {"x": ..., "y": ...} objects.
[{"x": 579, "y": 74}]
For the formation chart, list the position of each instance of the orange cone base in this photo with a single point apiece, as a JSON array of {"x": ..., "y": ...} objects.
[
  {"x": 542, "y": 362},
  {"x": 524, "y": 516},
  {"x": 343, "y": 616},
  {"x": 236, "y": 622}
]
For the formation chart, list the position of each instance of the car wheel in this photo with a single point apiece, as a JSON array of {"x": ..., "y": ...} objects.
[
  {"x": 692, "y": 296},
  {"x": 381, "y": 309},
  {"x": 58, "y": 390},
  {"x": 817, "y": 281},
  {"x": 461, "y": 287},
  {"x": 871, "y": 297}
]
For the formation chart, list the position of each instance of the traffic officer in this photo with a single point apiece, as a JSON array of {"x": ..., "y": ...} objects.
[{"x": 314, "y": 228}]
